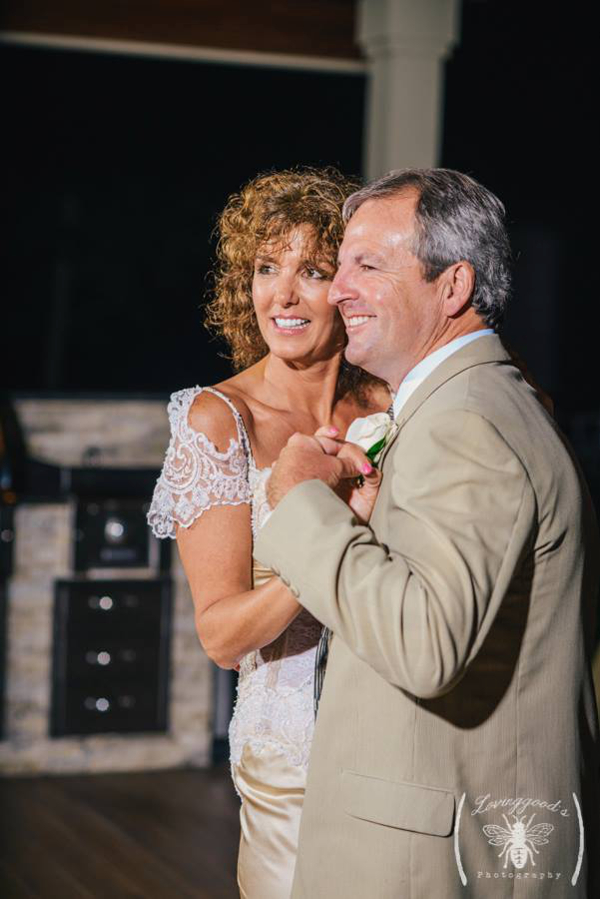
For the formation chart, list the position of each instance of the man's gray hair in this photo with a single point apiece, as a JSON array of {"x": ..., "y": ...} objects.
[{"x": 456, "y": 219}]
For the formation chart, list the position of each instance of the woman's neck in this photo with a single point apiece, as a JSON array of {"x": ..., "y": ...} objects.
[{"x": 307, "y": 389}]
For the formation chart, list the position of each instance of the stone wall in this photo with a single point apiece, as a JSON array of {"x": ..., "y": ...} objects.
[
  {"x": 134, "y": 434},
  {"x": 115, "y": 433}
]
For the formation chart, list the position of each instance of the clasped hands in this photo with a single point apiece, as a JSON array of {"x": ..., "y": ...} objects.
[{"x": 344, "y": 467}]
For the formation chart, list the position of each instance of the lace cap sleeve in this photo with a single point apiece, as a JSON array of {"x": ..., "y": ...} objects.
[{"x": 195, "y": 475}]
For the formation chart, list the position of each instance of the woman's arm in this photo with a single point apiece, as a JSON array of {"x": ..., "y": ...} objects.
[{"x": 232, "y": 619}]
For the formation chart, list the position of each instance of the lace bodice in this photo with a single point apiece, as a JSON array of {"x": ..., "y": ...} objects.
[{"x": 275, "y": 688}]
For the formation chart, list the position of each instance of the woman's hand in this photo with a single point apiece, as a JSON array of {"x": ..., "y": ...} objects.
[{"x": 359, "y": 493}]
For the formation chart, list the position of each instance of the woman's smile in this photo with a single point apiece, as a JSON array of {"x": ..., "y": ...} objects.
[{"x": 290, "y": 324}]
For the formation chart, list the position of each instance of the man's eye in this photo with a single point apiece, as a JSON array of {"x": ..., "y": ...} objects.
[{"x": 367, "y": 268}]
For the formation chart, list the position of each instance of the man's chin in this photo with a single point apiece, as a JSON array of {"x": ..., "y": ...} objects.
[{"x": 358, "y": 357}]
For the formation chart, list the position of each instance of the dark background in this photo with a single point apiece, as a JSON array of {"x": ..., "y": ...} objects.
[
  {"x": 118, "y": 168},
  {"x": 115, "y": 168}
]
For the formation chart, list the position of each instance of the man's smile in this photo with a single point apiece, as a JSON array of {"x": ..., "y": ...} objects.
[{"x": 356, "y": 321}]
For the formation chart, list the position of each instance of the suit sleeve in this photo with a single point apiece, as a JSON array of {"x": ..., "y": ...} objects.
[{"x": 459, "y": 518}]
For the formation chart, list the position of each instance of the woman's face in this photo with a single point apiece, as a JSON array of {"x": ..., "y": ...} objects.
[{"x": 290, "y": 291}]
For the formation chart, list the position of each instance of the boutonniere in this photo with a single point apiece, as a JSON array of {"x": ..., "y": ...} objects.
[{"x": 372, "y": 434}]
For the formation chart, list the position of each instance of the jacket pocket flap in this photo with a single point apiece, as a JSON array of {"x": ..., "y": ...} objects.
[{"x": 407, "y": 806}]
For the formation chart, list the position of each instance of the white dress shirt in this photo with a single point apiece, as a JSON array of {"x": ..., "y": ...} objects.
[{"x": 424, "y": 368}]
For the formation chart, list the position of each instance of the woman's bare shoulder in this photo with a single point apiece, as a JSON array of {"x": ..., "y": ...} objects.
[
  {"x": 210, "y": 414},
  {"x": 213, "y": 410},
  {"x": 243, "y": 390}
]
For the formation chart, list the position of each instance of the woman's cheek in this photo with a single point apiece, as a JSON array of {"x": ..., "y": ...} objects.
[{"x": 261, "y": 315}]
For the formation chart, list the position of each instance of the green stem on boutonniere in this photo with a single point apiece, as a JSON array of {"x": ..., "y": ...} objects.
[
  {"x": 376, "y": 448},
  {"x": 370, "y": 454}
]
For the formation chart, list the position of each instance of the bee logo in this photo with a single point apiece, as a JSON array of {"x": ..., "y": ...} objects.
[{"x": 518, "y": 840}]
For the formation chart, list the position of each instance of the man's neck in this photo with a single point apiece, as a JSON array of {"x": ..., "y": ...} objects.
[
  {"x": 425, "y": 368},
  {"x": 454, "y": 331}
]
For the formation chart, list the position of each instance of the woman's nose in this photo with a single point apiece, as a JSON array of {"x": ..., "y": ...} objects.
[{"x": 286, "y": 293}]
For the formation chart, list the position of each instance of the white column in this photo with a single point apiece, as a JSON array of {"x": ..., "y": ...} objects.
[{"x": 405, "y": 43}]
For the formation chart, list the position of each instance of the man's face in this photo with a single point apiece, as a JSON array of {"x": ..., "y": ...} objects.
[{"x": 392, "y": 315}]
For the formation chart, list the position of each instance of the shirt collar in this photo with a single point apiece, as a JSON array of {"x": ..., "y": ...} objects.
[{"x": 426, "y": 366}]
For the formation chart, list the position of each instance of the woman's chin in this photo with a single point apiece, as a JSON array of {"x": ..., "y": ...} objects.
[{"x": 302, "y": 354}]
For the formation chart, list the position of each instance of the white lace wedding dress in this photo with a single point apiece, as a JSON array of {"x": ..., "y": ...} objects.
[{"x": 272, "y": 725}]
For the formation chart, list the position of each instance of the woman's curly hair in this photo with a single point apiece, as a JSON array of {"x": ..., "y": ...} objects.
[{"x": 266, "y": 210}]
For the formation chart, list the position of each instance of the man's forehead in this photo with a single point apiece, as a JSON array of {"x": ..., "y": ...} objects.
[
  {"x": 396, "y": 210},
  {"x": 381, "y": 223}
]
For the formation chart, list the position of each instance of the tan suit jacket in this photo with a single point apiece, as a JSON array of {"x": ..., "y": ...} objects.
[{"x": 458, "y": 678}]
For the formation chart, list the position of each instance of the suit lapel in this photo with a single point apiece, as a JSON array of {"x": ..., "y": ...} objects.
[{"x": 479, "y": 352}]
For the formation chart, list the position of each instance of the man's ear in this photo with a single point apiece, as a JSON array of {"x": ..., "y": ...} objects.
[{"x": 457, "y": 283}]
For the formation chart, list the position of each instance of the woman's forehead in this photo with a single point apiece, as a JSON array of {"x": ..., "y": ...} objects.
[{"x": 302, "y": 240}]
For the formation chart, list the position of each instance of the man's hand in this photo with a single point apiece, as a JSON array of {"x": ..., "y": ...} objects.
[
  {"x": 307, "y": 458},
  {"x": 359, "y": 493}
]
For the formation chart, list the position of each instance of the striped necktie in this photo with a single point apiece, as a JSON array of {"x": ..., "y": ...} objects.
[{"x": 320, "y": 665}]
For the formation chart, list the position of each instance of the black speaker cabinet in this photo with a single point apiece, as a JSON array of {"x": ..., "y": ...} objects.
[
  {"x": 113, "y": 533},
  {"x": 110, "y": 656}
]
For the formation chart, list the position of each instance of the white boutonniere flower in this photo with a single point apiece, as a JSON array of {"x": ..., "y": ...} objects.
[{"x": 372, "y": 434}]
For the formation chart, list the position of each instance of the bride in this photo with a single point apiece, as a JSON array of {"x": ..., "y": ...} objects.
[{"x": 277, "y": 254}]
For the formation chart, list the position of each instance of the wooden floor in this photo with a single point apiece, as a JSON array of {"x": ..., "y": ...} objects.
[{"x": 158, "y": 835}]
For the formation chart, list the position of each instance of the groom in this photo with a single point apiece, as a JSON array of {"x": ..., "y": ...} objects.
[{"x": 455, "y": 752}]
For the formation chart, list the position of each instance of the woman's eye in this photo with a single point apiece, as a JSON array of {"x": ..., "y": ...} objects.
[
  {"x": 316, "y": 274},
  {"x": 264, "y": 268},
  {"x": 367, "y": 268}
]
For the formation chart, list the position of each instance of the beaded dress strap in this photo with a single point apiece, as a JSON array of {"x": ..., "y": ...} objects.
[{"x": 242, "y": 431}]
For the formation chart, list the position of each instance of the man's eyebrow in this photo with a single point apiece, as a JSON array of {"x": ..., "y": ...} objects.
[
  {"x": 370, "y": 256},
  {"x": 366, "y": 256}
]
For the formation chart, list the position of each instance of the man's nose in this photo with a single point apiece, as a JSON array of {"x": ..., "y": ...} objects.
[{"x": 340, "y": 288}]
